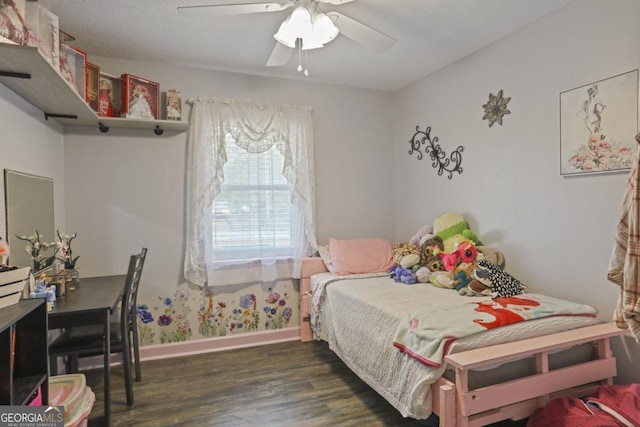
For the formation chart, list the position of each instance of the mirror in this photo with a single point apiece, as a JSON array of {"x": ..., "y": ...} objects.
[{"x": 29, "y": 207}]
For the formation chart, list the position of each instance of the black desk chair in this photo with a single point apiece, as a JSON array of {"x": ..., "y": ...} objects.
[{"x": 85, "y": 341}]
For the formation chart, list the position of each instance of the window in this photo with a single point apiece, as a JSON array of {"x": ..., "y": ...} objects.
[
  {"x": 250, "y": 199},
  {"x": 252, "y": 216}
]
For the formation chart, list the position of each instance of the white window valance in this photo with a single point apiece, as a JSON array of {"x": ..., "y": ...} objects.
[{"x": 255, "y": 128}]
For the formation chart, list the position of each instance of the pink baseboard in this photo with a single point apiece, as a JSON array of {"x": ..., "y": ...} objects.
[{"x": 206, "y": 345}]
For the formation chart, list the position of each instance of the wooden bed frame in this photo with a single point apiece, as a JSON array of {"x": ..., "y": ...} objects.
[{"x": 457, "y": 405}]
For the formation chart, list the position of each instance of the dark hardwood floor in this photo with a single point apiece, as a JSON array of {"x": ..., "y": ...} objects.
[{"x": 286, "y": 384}]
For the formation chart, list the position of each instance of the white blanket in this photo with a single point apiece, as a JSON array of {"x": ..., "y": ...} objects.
[{"x": 359, "y": 318}]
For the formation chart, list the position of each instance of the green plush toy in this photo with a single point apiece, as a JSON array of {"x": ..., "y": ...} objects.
[{"x": 453, "y": 229}]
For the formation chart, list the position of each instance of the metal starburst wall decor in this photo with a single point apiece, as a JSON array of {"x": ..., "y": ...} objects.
[
  {"x": 433, "y": 149},
  {"x": 496, "y": 108}
]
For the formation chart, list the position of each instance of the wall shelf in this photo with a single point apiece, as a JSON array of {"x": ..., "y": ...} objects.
[{"x": 29, "y": 74}]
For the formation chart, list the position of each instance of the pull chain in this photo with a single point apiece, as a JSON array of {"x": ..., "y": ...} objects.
[{"x": 306, "y": 71}]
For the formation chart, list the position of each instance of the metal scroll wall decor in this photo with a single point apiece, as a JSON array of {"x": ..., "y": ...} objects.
[{"x": 439, "y": 161}]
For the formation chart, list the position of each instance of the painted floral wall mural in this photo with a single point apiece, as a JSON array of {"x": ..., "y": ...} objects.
[{"x": 196, "y": 314}]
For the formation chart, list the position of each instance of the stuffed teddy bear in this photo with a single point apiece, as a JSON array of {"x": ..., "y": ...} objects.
[{"x": 453, "y": 229}]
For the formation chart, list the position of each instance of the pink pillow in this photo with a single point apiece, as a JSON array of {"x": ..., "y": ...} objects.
[
  {"x": 360, "y": 255},
  {"x": 323, "y": 251}
]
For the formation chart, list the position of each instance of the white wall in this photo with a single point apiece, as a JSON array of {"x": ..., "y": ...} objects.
[
  {"x": 125, "y": 189},
  {"x": 556, "y": 232},
  {"x": 32, "y": 145}
]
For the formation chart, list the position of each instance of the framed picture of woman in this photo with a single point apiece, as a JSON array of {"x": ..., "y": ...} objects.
[{"x": 598, "y": 123}]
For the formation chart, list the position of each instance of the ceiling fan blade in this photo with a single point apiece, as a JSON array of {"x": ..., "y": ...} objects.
[
  {"x": 361, "y": 33},
  {"x": 280, "y": 55},
  {"x": 336, "y": 2},
  {"x": 231, "y": 9}
]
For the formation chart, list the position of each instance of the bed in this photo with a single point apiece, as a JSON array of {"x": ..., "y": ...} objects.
[{"x": 503, "y": 373}]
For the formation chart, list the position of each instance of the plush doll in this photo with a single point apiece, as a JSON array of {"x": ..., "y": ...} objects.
[
  {"x": 441, "y": 279},
  {"x": 409, "y": 261},
  {"x": 429, "y": 248},
  {"x": 453, "y": 229},
  {"x": 475, "y": 288},
  {"x": 424, "y": 233},
  {"x": 402, "y": 249},
  {"x": 423, "y": 274},
  {"x": 465, "y": 252},
  {"x": 492, "y": 255},
  {"x": 459, "y": 267},
  {"x": 491, "y": 277},
  {"x": 408, "y": 277},
  {"x": 402, "y": 275}
]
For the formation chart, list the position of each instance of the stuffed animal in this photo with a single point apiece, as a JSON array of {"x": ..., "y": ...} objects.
[
  {"x": 402, "y": 275},
  {"x": 453, "y": 229},
  {"x": 408, "y": 277},
  {"x": 402, "y": 249},
  {"x": 424, "y": 233},
  {"x": 475, "y": 288},
  {"x": 459, "y": 267},
  {"x": 423, "y": 274},
  {"x": 465, "y": 252},
  {"x": 492, "y": 255},
  {"x": 500, "y": 283},
  {"x": 409, "y": 261},
  {"x": 429, "y": 249}
]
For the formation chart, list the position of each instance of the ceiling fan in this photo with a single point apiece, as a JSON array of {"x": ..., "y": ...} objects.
[{"x": 307, "y": 27}]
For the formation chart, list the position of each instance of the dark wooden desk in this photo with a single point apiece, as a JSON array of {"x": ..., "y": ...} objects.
[{"x": 91, "y": 303}]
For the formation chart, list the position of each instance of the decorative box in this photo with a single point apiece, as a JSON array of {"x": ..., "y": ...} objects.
[
  {"x": 45, "y": 26},
  {"x": 92, "y": 78},
  {"x": 174, "y": 105},
  {"x": 13, "y": 26},
  {"x": 140, "y": 98},
  {"x": 73, "y": 63},
  {"x": 109, "y": 95},
  {"x": 12, "y": 284}
]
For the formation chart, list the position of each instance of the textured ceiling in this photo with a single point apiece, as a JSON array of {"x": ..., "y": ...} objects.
[{"x": 430, "y": 34}]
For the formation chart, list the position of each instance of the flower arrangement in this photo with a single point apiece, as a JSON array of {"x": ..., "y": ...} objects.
[
  {"x": 63, "y": 245},
  {"x": 600, "y": 154},
  {"x": 35, "y": 249}
]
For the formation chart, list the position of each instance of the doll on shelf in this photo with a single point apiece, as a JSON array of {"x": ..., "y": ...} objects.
[
  {"x": 105, "y": 103},
  {"x": 139, "y": 106}
]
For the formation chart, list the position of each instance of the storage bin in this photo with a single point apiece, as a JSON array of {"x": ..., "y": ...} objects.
[{"x": 72, "y": 392}]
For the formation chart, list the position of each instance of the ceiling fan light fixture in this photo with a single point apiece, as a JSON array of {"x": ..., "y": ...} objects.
[
  {"x": 296, "y": 26},
  {"x": 322, "y": 32},
  {"x": 323, "y": 28}
]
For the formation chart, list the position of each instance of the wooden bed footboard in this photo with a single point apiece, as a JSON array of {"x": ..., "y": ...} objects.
[{"x": 458, "y": 406}]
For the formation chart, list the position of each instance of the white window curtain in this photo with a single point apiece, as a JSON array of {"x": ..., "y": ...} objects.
[{"x": 214, "y": 125}]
